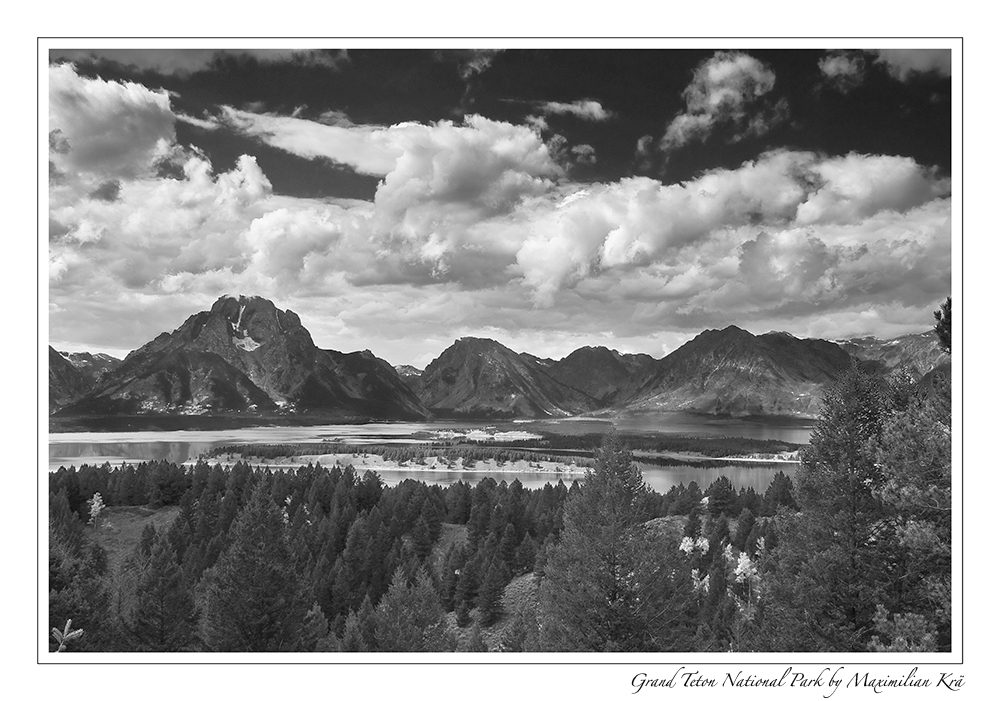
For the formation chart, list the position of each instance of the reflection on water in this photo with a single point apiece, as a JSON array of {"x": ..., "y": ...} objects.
[
  {"x": 661, "y": 479},
  {"x": 78, "y": 452},
  {"x": 67, "y": 449},
  {"x": 679, "y": 423}
]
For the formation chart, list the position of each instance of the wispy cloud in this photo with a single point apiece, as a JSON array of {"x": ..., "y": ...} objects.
[
  {"x": 184, "y": 61},
  {"x": 368, "y": 150},
  {"x": 589, "y": 110},
  {"x": 206, "y": 124},
  {"x": 728, "y": 90},
  {"x": 477, "y": 61},
  {"x": 904, "y": 64},
  {"x": 843, "y": 70}
]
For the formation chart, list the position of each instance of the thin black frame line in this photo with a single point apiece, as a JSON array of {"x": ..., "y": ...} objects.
[{"x": 960, "y": 39}]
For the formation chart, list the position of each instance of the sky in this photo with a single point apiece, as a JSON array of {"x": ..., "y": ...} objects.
[{"x": 398, "y": 199}]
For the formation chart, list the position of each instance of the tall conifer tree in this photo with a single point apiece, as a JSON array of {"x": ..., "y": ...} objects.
[{"x": 253, "y": 599}]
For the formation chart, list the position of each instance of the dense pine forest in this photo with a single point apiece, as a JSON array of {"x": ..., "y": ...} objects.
[{"x": 854, "y": 554}]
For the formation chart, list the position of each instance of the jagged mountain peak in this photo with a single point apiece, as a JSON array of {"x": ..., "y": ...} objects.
[
  {"x": 482, "y": 377},
  {"x": 479, "y": 343},
  {"x": 730, "y": 332},
  {"x": 602, "y": 373},
  {"x": 732, "y": 371},
  {"x": 247, "y": 355}
]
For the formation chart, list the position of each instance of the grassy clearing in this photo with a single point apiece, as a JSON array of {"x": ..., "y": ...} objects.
[{"x": 120, "y": 527}]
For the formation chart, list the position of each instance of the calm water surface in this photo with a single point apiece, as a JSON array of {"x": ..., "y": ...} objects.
[
  {"x": 660, "y": 479},
  {"x": 67, "y": 449}
]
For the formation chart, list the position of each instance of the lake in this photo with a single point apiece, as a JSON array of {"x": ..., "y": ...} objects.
[
  {"x": 66, "y": 449},
  {"x": 661, "y": 479}
]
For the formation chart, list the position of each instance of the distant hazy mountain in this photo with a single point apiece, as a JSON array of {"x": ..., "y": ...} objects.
[
  {"x": 919, "y": 352},
  {"x": 93, "y": 365},
  {"x": 245, "y": 355},
  {"x": 410, "y": 375},
  {"x": 480, "y": 377},
  {"x": 66, "y": 381},
  {"x": 736, "y": 373}
]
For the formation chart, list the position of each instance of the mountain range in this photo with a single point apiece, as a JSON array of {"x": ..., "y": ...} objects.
[{"x": 246, "y": 357}]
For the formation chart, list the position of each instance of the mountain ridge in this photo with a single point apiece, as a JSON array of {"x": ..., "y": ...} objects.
[{"x": 246, "y": 356}]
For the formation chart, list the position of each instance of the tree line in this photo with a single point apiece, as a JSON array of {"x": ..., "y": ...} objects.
[
  {"x": 852, "y": 555},
  {"x": 335, "y": 543}
]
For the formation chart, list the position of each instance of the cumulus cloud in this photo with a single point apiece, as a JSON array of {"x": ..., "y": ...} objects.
[
  {"x": 843, "y": 70},
  {"x": 475, "y": 229},
  {"x": 638, "y": 222},
  {"x": 106, "y": 129},
  {"x": 589, "y": 110},
  {"x": 441, "y": 181},
  {"x": 856, "y": 186},
  {"x": 452, "y": 179},
  {"x": 728, "y": 90},
  {"x": 903, "y": 64}
]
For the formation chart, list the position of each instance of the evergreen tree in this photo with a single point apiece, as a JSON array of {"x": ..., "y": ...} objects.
[
  {"x": 410, "y": 618},
  {"x": 489, "y": 601},
  {"x": 253, "y": 601},
  {"x": 836, "y": 559},
  {"x": 913, "y": 454},
  {"x": 359, "y": 630},
  {"x": 722, "y": 498},
  {"x": 475, "y": 642},
  {"x": 524, "y": 556},
  {"x": 612, "y": 584},
  {"x": 421, "y": 538},
  {"x": 744, "y": 526},
  {"x": 314, "y": 630},
  {"x": 165, "y": 613},
  {"x": 352, "y": 569},
  {"x": 943, "y": 326},
  {"x": 521, "y": 634},
  {"x": 779, "y": 493}
]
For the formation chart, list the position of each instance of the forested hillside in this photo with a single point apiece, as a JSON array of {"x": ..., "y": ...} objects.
[{"x": 853, "y": 555}]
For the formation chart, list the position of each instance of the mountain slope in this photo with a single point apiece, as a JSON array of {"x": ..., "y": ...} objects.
[
  {"x": 245, "y": 355},
  {"x": 601, "y": 373},
  {"x": 919, "y": 352},
  {"x": 66, "y": 382},
  {"x": 410, "y": 376},
  {"x": 480, "y": 377},
  {"x": 93, "y": 365},
  {"x": 733, "y": 372}
]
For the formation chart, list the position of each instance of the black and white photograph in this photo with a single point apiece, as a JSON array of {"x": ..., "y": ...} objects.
[{"x": 430, "y": 347}]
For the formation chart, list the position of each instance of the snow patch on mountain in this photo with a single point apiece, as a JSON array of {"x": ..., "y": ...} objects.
[{"x": 247, "y": 343}]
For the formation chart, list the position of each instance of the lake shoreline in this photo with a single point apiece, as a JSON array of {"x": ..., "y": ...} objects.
[{"x": 361, "y": 462}]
